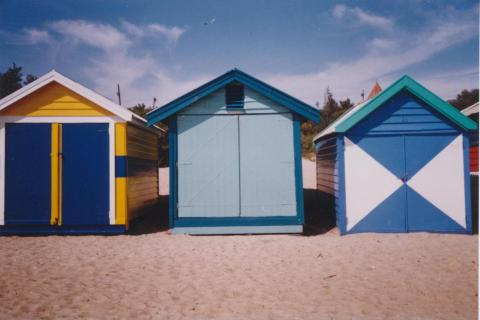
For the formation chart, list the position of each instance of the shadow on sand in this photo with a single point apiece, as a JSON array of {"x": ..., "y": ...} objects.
[
  {"x": 154, "y": 219},
  {"x": 319, "y": 217},
  {"x": 319, "y": 212}
]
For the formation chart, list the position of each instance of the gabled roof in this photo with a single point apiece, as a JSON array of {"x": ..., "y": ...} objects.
[
  {"x": 276, "y": 95},
  {"x": 471, "y": 109},
  {"x": 361, "y": 111},
  {"x": 375, "y": 90},
  {"x": 54, "y": 76}
]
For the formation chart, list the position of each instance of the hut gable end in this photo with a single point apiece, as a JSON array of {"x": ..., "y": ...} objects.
[
  {"x": 54, "y": 99},
  {"x": 215, "y": 103},
  {"x": 403, "y": 113}
]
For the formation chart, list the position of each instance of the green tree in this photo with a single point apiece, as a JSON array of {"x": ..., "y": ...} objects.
[
  {"x": 11, "y": 80},
  {"x": 29, "y": 79},
  {"x": 465, "y": 99},
  {"x": 330, "y": 111},
  {"x": 141, "y": 109}
]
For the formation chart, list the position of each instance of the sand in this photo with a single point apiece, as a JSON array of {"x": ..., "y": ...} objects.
[
  {"x": 162, "y": 276},
  {"x": 155, "y": 275}
]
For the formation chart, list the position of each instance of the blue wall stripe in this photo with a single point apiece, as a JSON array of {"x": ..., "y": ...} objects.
[
  {"x": 172, "y": 139},
  {"x": 298, "y": 168},
  {"x": 341, "y": 200},
  {"x": 466, "y": 168},
  {"x": 61, "y": 230},
  {"x": 120, "y": 166},
  {"x": 238, "y": 221}
]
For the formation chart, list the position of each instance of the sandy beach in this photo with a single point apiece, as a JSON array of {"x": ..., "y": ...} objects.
[{"x": 151, "y": 274}]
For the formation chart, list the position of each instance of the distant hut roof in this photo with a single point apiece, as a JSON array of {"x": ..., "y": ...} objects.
[{"x": 375, "y": 90}]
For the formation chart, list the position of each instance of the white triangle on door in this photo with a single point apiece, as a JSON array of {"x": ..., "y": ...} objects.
[
  {"x": 367, "y": 183},
  {"x": 442, "y": 181}
]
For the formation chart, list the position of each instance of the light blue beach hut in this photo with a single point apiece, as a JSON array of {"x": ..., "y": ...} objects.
[{"x": 235, "y": 157}]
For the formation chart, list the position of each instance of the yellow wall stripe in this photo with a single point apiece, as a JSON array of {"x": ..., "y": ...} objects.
[
  {"x": 121, "y": 201},
  {"x": 60, "y": 159},
  {"x": 55, "y": 174},
  {"x": 121, "y": 139},
  {"x": 121, "y": 215}
]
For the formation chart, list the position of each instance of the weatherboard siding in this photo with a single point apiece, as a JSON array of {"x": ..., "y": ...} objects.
[
  {"x": 142, "y": 170},
  {"x": 403, "y": 113},
  {"x": 327, "y": 171},
  {"x": 215, "y": 104},
  {"x": 139, "y": 178},
  {"x": 54, "y": 100}
]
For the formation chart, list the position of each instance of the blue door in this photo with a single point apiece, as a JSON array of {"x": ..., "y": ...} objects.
[
  {"x": 27, "y": 173},
  {"x": 85, "y": 174}
]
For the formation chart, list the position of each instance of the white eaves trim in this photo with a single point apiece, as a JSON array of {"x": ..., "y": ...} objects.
[
  {"x": 471, "y": 109},
  {"x": 54, "y": 76},
  {"x": 333, "y": 125}
]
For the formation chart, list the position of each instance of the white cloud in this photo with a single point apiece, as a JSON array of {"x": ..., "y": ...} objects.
[
  {"x": 98, "y": 35},
  {"x": 386, "y": 59},
  {"x": 132, "y": 29},
  {"x": 341, "y": 11},
  {"x": 382, "y": 43},
  {"x": 34, "y": 36},
  {"x": 122, "y": 58},
  {"x": 171, "y": 33},
  {"x": 448, "y": 84}
]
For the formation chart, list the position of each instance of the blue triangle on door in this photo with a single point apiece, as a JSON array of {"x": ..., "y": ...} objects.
[
  {"x": 424, "y": 216},
  {"x": 420, "y": 150},
  {"x": 387, "y": 150},
  {"x": 388, "y": 216}
]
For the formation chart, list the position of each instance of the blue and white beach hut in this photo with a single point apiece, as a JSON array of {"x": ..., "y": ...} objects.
[{"x": 398, "y": 163}]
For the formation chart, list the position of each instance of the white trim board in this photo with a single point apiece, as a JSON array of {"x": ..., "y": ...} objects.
[
  {"x": 111, "y": 147},
  {"x": 54, "y": 76}
]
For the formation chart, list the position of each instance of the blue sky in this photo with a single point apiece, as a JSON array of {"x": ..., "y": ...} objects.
[{"x": 163, "y": 49}]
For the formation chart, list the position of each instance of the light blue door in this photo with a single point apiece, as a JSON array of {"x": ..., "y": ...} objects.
[
  {"x": 267, "y": 166},
  {"x": 208, "y": 168}
]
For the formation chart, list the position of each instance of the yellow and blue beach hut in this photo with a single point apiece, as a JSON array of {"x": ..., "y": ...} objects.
[{"x": 72, "y": 161}]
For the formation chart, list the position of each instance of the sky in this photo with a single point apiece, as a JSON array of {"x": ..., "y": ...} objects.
[{"x": 164, "y": 49}]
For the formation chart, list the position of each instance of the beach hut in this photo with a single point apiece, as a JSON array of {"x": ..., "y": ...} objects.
[
  {"x": 235, "y": 157},
  {"x": 472, "y": 113},
  {"x": 398, "y": 163},
  {"x": 72, "y": 161}
]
